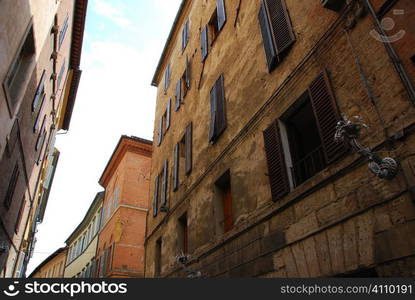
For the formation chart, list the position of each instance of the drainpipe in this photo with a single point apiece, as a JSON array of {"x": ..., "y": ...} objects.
[{"x": 394, "y": 57}]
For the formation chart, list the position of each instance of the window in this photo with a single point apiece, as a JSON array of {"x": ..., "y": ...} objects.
[
  {"x": 178, "y": 95},
  {"x": 167, "y": 116},
  {"x": 63, "y": 30},
  {"x": 39, "y": 102},
  {"x": 13, "y": 136},
  {"x": 41, "y": 136},
  {"x": 185, "y": 80},
  {"x": 20, "y": 214},
  {"x": 61, "y": 72},
  {"x": 157, "y": 258},
  {"x": 185, "y": 35},
  {"x": 19, "y": 70},
  {"x": 213, "y": 28},
  {"x": 301, "y": 143},
  {"x": 164, "y": 188},
  {"x": 217, "y": 110},
  {"x": 160, "y": 132},
  {"x": 276, "y": 29},
  {"x": 156, "y": 196},
  {"x": 182, "y": 152},
  {"x": 223, "y": 203},
  {"x": 12, "y": 186},
  {"x": 183, "y": 238},
  {"x": 167, "y": 78},
  {"x": 116, "y": 197}
]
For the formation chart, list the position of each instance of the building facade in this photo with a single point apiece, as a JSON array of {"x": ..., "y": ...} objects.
[
  {"x": 82, "y": 243},
  {"x": 40, "y": 51},
  {"x": 53, "y": 266},
  {"x": 126, "y": 180},
  {"x": 247, "y": 178}
]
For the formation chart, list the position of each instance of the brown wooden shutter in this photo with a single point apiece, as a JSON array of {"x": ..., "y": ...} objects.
[
  {"x": 163, "y": 206},
  {"x": 327, "y": 116},
  {"x": 277, "y": 171},
  {"x": 178, "y": 94},
  {"x": 280, "y": 25},
  {"x": 188, "y": 141},
  {"x": 168, "y": 114},
  {"x": 160, "y": 132},
  {"x": 155, "y": 196},
  {"x": 270, "y": 53},
  {"x": 176, "y": 167},
  {"x": 221, "y": 12},
  {"x": 213, "y": 109},
  {"x": 204, "y": 42},
  {"x": 220, "y": 98}
]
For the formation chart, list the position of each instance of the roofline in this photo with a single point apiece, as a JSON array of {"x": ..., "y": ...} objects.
[
  {"x": 166, "y": 45},
  {"x": 48, "y": 259},
  {"x": 78, "y": 28},
  {"x": 99, "y": 197},
  {"x": 133, "y": 138}
]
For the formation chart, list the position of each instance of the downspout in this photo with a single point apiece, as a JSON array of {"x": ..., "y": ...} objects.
[{"x": 392, "y": 53}]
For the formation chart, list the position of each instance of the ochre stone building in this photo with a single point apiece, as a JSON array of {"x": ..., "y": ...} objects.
[
  {"x": 247, "y": 179},
  {"x": 40, "y": 52},
  {"x": 126, "y": 180},
  {"x": 53, "y": 266}
]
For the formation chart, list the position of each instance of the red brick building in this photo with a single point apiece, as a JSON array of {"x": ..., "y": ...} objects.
[{"x": 126, "y": 180}]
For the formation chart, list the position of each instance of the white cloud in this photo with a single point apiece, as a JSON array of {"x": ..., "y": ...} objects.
[{"x": 111, "y": 12}]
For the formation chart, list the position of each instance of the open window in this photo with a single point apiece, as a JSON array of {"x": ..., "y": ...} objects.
[
  {"x": 157, "y": 258},
  {"x": 182, "y": 160},
  {"x": 211, "y": 31},
  {"x": 183, "y": 235},
  {"x": 223, "y": 204},
  {"x": 301, "y": 143}
]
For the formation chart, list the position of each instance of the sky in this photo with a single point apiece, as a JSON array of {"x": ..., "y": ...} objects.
[{"x": 123, "y": 41}]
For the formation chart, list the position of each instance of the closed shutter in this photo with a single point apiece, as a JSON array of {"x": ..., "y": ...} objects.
[
  {"x": 327, "y": 116},
  {"x": 163, "y": 206},
  {"x": 188, "y": 148},
  {"x": 185, "y": 35},
  {"x": 270, "y": 53},
  {"x": 155, "y": 196},
  {"x": 220, "y": 98},
  {"x": 275, "y": 23},
  {"x": 204, "y": 42},
  {"x": 160, "y": 132},
  {"x": 213, "y": 109},
  {"x": 187, "y": 73},
  {"x": 168, "y": 114},
  {"x": 39, "y": 91},
  {"x": 221, "y": 12},
  {"x": 277, "y": 171},
  {"x": 176, "y": 167},
  {"x": 12, "y": 186},
  {"x": 178, "y": 94}
]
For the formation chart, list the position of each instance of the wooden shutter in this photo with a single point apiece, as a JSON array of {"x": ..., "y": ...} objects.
[
  {"x": 185, "y": 34},
  {"x": 277, "y": 171},
  {"x": 204, "y": 42},
  {"x": 39, "y": 91},
  {"x": 176, "y": 167},
  {"x": 167, "y": 77},
  {"x": 270, "y": 53},
  {"x": 327, "y": 116},
  {"x": 188, "y": 142},
  {"x": 213, "y": 109},
  {"x": 12, "y": 186},
  {"x": 227, "y": 210},
  {"x": 178, "y": 94},
  {"x": 221, "y": 12},
  {"x": 168, "y": 114},
  {"x": 280, "y": 24},
  {"x": 220, "y": 98},
  {"x": 160, "y": 132},
  {"x": 163, "y": 206},
  {"x": 187, "y": 73},
  {"x": 155, "y": 196}
]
